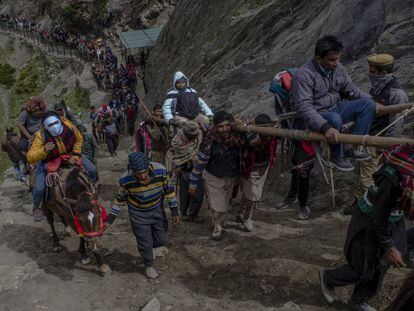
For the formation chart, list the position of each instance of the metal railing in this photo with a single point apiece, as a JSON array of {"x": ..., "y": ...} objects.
[{"x": 47, "y": 44}]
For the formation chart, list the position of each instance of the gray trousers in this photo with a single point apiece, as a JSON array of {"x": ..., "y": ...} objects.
[{"x": 149, "y": 237}]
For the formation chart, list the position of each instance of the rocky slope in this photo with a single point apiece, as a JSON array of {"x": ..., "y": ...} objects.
[
  {"x": 92, "y": 16},
  {"x": 231, "y": 49},
  {"x": 27, "y": 70}
]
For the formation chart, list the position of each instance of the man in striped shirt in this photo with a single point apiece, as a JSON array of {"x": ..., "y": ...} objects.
[{"x": 143, "y": 188}]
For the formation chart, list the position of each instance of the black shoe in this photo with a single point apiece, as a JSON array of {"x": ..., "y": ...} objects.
[
  {"x": 361, "y": 155},
  {"x": 342, "y": 164},
  {"x": 349, "y": 209},
  {"x": 286, "y": 202},
  {"x": 240, "y": 218},
  {"x": 328, "y": 292},
  {"x": 304, "y": 212},
  {"x": 357, "y": 155},
  {"x": 196, "y": 219}
]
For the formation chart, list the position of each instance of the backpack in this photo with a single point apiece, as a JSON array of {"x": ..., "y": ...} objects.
[
  {"x": 280, "y": 86},
  {"x": 187, "y": 104}
]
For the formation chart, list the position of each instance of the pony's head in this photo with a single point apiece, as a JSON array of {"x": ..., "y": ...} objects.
[{"x": 89, "y": 215}]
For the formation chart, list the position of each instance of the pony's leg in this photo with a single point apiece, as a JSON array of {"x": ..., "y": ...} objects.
[
  {"x": 85, "y": 259},
  {"x": 49, "y": 216},
  {"x": 67, "y": 227},
  {"x": 99, "y": 257},
  {"x": 105, "y": 270},
  {"x": 63, "y": 221}
]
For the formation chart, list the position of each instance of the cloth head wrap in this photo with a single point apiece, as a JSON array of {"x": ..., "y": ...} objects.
[
  {"x": 138, "y": 161},
  {"x": 58, "y": 106},
  {"x": 222, "y": 116},
  {"x": 191, "y": 129},
  {"x": 36, "y": 103}
]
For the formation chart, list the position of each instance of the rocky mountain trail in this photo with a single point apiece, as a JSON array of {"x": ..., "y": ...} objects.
[
  {"x": 230, "y": 50},
  {"x": 274, "y": 267}
]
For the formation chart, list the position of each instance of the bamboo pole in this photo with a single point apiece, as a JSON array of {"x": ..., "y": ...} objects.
[
  {"x": 394, "y": 109},
  {"x": 375, "y": 141}
]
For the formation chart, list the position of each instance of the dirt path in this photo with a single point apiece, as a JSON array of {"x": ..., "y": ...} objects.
[
  {"x": 263, "y": 270},
  {"x": 273, "y": 268}
]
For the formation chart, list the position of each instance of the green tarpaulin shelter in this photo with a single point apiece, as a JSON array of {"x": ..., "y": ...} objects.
[{"x": 136, "y": 39}]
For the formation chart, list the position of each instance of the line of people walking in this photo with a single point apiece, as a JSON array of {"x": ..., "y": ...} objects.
[
  {"x": 209, "y": 156},
  {"x": 184, "y": 144}
]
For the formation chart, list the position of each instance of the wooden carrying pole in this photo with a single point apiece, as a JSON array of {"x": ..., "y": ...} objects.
[
  {"x": 394, "y": 109},
  {"x": 375, "y": 141}
]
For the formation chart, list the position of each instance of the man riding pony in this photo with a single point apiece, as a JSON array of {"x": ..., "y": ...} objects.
[{"x": 57, "y": 137}]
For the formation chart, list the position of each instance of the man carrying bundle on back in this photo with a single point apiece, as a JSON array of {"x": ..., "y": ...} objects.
[{"x": 184, "y": 148}]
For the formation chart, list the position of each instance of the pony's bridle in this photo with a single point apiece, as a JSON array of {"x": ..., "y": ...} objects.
[{"x": 78, "y": 227}]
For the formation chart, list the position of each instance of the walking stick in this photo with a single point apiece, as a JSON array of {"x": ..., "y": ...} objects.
[{"x": 152, "y": 119}]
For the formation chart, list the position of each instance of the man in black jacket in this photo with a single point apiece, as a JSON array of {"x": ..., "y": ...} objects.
[{"x": 376, "y": 235}]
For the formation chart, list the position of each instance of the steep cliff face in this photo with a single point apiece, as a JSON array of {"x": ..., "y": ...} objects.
[
  {"x": 92, "y": 16},
  {"x": 231, "y": 49}
]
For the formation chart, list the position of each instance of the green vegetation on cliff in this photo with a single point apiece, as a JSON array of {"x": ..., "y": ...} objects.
[
  {"x": 6, "y": 75},
  {"x": 31, "y": 80},
  {"x": 77, "y": 99}
]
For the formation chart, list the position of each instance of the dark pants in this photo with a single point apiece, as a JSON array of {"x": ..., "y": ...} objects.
[
  {"x": 94, "y": 131},
  {"x": 190, "y": 207},
  {"x": 24, "y": 144},
  {"x": 149, "y": 237},
  {"x": 366, "y": 286},
  {"x": 299, "y": 184},
  {"x": 366, "y": 266},
  {"x": 112, "y": 144},
  {"x": 131, "y": 126},
  {"x": 410, "y": 243}
]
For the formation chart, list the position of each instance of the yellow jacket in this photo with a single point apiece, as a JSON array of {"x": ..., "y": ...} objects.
[{"x": 37, "y": 150}]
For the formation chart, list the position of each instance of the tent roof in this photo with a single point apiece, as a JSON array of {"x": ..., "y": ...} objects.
[{"x": 139, "y": 38}]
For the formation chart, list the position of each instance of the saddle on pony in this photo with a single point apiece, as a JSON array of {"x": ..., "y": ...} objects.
[
  {"x": 58, "y": 171},
  {"x": 65, "y": 186}
]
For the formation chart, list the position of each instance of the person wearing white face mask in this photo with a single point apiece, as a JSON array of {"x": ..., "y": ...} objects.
[
  {"x": 57, "y": 136},
  {"x": 386, "y": 91}
]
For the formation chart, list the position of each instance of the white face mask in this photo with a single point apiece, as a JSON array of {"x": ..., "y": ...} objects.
[{"x": 53, "y": 125}]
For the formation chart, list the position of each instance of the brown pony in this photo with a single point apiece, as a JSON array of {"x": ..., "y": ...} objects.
[{"x": 73, "y": 197}]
